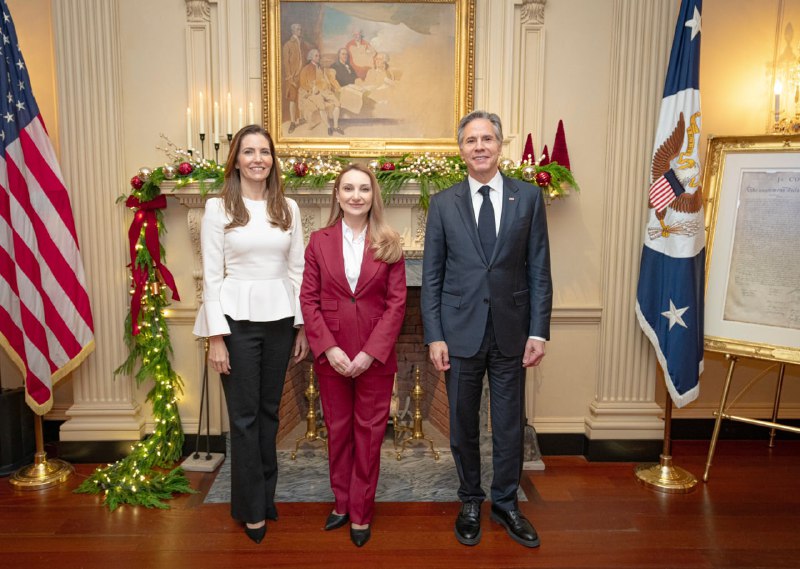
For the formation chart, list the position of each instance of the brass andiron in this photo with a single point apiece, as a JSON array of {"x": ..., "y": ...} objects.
[
  {"x": 313, "y": 432},
  {"x": 416, "y": 433}
]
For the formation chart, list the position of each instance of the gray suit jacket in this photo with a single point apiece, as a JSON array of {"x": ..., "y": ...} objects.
[{"x": 459, "y": 284}]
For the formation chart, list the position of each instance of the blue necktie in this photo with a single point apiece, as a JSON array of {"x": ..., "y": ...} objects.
[{"x": 486, "y": 224}]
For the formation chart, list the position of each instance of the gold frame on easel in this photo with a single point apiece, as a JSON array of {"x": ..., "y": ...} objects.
[
  {"x": 738, "y": 168},
  {"x": 727, "y": 159}
]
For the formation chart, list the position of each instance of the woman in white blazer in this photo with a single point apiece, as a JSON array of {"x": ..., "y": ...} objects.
[{"x": 252, "y": 247}]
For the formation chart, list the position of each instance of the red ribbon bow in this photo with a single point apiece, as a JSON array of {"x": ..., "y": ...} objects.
[{"x": 146, "y": 216}]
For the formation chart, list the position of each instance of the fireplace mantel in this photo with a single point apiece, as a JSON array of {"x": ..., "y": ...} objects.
[{"x": 403, "y": 212}]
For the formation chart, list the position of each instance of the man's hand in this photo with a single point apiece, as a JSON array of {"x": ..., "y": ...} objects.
[
  {"x": 439, "y": 356},
  {"x": 534, "y": 352}
]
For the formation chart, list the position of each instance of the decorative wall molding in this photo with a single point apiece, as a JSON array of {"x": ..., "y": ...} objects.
[
  {"x": 198, "y": 10},
  {"x": 532, "y": 12},
  {"x": 626, "y": 384},
  {"x": 90, "y": 110}
]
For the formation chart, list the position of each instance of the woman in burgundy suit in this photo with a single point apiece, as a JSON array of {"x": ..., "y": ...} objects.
[{"x": 353, "y": 300}]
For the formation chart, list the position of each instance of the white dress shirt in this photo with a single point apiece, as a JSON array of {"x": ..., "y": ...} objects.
[
  {"x": 495, "y": 195},
  {"x": 353, "y": 250},
  {"x": 252, "y": 272}
]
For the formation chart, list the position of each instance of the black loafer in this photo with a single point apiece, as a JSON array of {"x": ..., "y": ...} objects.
[
  {"x": 517, "y": 526},
  {"x": 256, "y": 534},
  {"x": 360, "y": 536},
  {"x": 468, "y": 524},
  {"x": 335, "y": 521}
]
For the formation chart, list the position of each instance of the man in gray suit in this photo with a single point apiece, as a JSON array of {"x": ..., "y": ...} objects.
[{"x": 486, "y": 304}]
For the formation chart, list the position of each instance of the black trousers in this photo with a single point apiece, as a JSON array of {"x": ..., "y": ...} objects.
[
  {"x": 259, "y": 355},
  {"x": 507, "y": 394}
]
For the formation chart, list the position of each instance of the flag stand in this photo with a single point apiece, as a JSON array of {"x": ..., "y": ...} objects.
[
  {"x": 663, "y": 476},
  {"x": 43, "y": 473}
]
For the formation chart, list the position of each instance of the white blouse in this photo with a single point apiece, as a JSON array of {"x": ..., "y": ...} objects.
[
  {"x": 353, "y": 252},
  {"x": 252, "y": 272}
]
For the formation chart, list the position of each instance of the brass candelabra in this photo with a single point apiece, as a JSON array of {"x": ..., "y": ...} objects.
[
  {"x": 415, "y": 433},
  {"x": 314, "y": 432}
]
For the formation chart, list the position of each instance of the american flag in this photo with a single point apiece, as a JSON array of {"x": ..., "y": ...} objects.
[{"x": 45, "y": 318}]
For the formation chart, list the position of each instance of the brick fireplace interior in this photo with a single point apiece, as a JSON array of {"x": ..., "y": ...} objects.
[{"x": 411, "y": 353}]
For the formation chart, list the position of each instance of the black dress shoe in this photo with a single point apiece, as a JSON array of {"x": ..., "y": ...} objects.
[
  {"x": 256, "y": 534},
  {"x": 359, "y": 536},
  {"x": 335, "y": 521},
  {"x": 468, "y": 524},
  {"x": 517, "y": 526}
]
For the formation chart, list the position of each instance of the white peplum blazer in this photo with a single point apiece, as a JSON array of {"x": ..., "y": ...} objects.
[{"x": 252, "y": 272}]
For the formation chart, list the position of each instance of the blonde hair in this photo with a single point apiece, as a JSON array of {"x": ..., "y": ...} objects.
[
  {"x": 277, "y": 208},
  {"x": 382, "y": 239}
]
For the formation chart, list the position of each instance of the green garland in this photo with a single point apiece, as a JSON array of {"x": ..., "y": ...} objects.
[
  {"x": 432, "y": 172},
  {"x": 144, "y": 477}
]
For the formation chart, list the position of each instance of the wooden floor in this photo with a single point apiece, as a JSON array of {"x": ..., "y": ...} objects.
[{"x": 589, "y": 515}]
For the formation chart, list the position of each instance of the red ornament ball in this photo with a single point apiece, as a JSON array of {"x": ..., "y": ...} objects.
[
  {"x": 137, "y": 183},
  {"x": 185, "y": 168},
  {"x": 543, "y": 179},
  {"x": 301, "y": 169},
  {"x": 387, "y": 166}
]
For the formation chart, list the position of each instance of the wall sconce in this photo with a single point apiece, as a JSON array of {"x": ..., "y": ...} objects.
[{"x": 786, "y": 124}]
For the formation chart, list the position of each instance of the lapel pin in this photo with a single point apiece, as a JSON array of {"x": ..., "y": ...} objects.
[{"x": 511, "y": 199}]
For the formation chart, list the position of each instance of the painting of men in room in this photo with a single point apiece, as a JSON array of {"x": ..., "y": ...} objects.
[{"x": 372, "y": 70}]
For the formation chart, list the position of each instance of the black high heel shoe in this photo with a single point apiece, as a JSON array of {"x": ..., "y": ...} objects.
[
  {"x": 335, "y": 521},
  {"x": 256, "y": 534},
  {"x": 359, "y": 536}
]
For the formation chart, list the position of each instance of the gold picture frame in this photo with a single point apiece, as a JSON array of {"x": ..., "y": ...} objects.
[
  {"x": 752, "y": 184},
  {"x": 406, "y": 79}
]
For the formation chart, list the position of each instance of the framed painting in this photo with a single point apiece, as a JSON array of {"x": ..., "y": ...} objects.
[
  {"x": 360, "y": 78},
  {"x": 753, "y": 259}
]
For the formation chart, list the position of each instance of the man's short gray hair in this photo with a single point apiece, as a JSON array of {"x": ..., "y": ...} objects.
[{"x": 497, "y": 124}]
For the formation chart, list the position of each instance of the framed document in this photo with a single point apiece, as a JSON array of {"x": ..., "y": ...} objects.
[
  {"x": 753, "y": 247},
  {"x": 354, "y": 77}
]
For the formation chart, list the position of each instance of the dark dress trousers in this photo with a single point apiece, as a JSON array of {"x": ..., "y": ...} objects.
[
  {"x": 486, "y": 309},
  {"x": 368, "y": 320}
]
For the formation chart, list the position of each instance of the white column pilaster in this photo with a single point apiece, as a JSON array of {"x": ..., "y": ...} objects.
[
  {"x": 89, "y": 101},
  {"x": 624, "y": 405}
]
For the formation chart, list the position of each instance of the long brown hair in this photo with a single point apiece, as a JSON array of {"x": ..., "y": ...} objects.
[
  {"x": 278, "y": 210},
  {"x": 384, "y": 241}
]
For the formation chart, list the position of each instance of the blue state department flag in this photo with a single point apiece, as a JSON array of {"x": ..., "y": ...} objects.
[{"x": 669, "y": 299}]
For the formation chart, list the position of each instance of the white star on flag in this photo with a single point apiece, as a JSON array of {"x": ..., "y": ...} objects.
[
  {"x": 694, "y": 23},
  {"x": 674, "y": 314}
]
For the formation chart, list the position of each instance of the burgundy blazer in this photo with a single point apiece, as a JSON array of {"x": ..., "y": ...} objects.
[{"x": 367, "y": 320}]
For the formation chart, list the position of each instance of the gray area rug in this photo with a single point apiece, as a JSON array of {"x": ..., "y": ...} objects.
[{"x": 415, "y": 478}]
